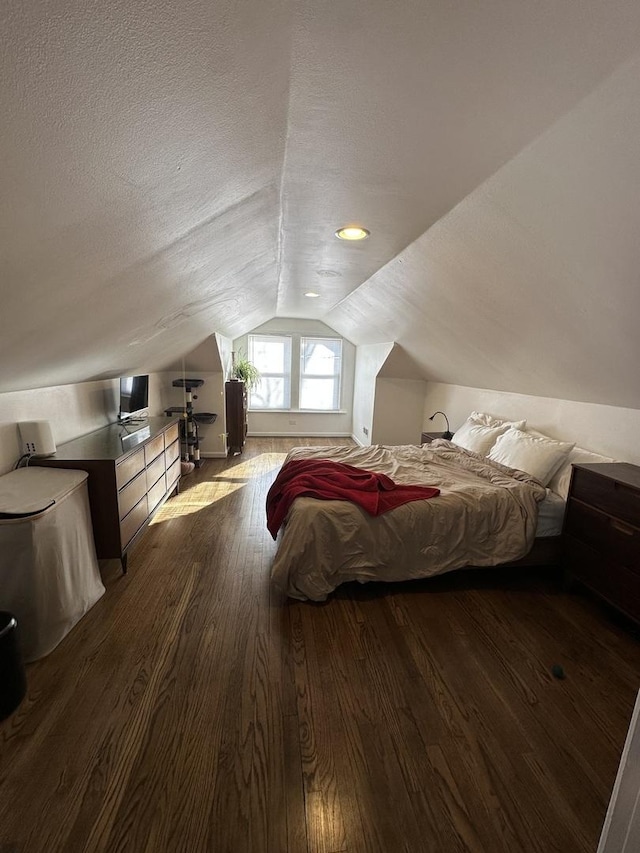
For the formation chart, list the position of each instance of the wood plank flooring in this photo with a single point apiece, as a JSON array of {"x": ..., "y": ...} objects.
[{"x": 194, "y": 709}]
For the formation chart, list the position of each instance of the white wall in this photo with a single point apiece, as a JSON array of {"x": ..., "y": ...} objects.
[
  {"x": 398, "y": 411},
  {"x": 225, "y": 348},
  {"x": 609, "y": 430},
  {"x": 206, "y": 361},
  {"x": 72, "y": 410},
  {"x": 300, "y": 422},
  {"x": 369, "y": 359},
  {"x": 387, "y": 406}
]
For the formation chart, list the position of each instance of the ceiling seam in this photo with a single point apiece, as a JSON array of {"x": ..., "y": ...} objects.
[{"x": 281, "y": 222}]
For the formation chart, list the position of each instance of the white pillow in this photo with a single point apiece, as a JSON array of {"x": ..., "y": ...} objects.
[
  {"x": 479, "y": 432},
  {"x": 490, "y": 420},
  {"x": 534, "y": 453},
  {"x": 560, "y": 481},
  {"x": 477, "y": 437}
]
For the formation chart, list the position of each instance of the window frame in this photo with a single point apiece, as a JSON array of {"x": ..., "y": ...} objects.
[
  {"x": 295, "y": 375},
  {"x": 336, "y": 376},
  {"x": 286, "y": 376}
]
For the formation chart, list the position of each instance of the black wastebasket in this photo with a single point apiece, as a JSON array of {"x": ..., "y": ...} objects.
[{"x": 13, "y": 681}]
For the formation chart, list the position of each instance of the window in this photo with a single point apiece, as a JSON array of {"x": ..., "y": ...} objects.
[
  {"x": 296, "y": 372},
  {"x": 271, "y": 354},
  {"x": 320, "y": 370}
]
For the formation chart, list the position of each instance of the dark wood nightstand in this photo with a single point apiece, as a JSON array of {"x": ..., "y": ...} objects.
[
  {"x": 428, "y": 437},
  {"x": 601, "y": 533}
]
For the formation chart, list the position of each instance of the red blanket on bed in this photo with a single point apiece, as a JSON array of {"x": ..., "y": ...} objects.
[{"x": 320, "y": 478}]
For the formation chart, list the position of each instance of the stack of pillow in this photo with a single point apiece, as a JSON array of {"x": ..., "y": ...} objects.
[
  {"x": 509, "y": 443},
  {"x": 480, "y": 431}
]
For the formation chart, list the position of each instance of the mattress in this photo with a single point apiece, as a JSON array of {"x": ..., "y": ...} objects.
[{"x": 550, "y": 516}]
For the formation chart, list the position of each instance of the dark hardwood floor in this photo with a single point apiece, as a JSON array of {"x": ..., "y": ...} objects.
[{"x": 194, "y": 709}]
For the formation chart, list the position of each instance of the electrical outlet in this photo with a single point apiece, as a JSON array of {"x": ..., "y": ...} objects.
[{"x": 365, "y": 430}]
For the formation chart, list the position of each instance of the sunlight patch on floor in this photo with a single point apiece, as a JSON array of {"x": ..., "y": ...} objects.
[
  {"x": 196, "y": 498},
  {"x": 256, "y": 465},
  {"x": 198, "y": 495}
]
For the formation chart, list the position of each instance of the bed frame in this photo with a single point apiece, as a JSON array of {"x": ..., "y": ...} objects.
[{"x": 545, "y": 552}]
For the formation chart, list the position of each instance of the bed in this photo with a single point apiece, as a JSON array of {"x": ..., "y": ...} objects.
[{"x": 502, "y": 495}]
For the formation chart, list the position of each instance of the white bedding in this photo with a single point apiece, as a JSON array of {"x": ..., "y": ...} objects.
[
  {"x": 550, "y": 516},
  {"x": 486, "y": 514}
]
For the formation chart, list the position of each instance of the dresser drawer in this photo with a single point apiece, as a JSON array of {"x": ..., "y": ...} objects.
[
  {"x": 173, "y": 474},
  {"x": 618, "y": 585},
  {"x": 616, "y": 540},
  {"x": 130, "y": 525},
  {"x": 171, "y": 454},
  {"x": 155, "y": 494},
  {"x": 153, "y": 448},
  {"x": 129, "y": 467},
  {"x": 155, "y": 471},
  {"x": 131, "y": 494},
  {"x": 171, "y": 434},
  {"x": 617, "y": 499}
]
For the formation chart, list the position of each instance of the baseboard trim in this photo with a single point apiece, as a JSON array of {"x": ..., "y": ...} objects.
[
  {"x": 213, "y": 454},
  {"x": 299, "y": 435}
]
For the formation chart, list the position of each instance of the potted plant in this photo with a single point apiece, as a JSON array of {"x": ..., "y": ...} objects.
[{"x": 246, "y": 371}]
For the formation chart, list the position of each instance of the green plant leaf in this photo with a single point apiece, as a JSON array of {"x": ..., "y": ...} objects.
[{"x": 246, "y": 371}]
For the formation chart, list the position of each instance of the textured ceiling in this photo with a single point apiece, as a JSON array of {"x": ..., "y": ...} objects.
[{"x": 171, "y": 170}]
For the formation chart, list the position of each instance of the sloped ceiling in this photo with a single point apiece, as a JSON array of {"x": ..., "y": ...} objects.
[{"x": 171, "y": 170}]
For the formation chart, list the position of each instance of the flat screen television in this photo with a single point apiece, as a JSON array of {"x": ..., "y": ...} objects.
[{"x": 134, "y": 396}]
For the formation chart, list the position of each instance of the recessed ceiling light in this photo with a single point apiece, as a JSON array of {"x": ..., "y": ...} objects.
[
  {"x": 311, "y": 294},
  {"x": 352, "y": 232}
]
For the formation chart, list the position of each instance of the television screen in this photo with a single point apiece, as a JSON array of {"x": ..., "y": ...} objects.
[{"x": 134, "y": 395}]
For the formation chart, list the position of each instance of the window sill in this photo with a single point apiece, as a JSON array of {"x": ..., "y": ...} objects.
[{"x": 299, "y": 411}]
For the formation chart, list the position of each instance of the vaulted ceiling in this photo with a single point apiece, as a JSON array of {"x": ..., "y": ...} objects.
[{"x": 174, "y": 169}]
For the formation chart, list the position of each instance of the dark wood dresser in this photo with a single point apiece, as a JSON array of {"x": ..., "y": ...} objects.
[
  {"x": 601, "y": 534},
  {"x": 133, "y": 468}
]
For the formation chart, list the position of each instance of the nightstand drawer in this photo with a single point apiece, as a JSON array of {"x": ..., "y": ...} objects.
[
  {"x": 617, "y": 541},
  {"x": 617, "y": 584},
  {"x": 615, "y": 498}
]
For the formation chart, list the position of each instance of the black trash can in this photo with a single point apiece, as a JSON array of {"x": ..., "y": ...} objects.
[{"x": 13, "y": 681}]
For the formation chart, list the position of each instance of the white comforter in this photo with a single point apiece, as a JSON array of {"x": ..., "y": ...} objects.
[{"x": 485, "y": 515}]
